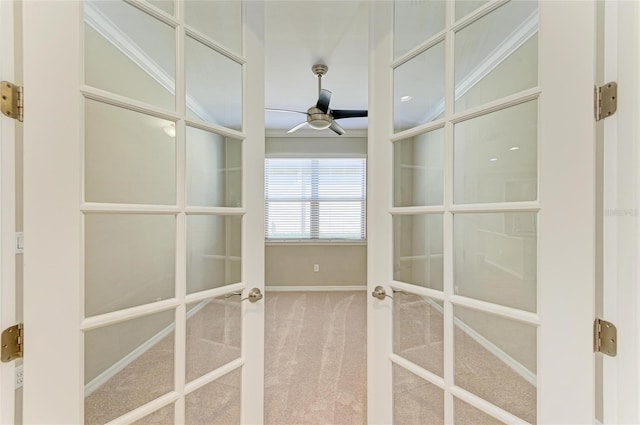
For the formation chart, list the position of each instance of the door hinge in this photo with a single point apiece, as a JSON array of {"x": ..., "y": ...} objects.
[
  {"x": 12, "y": 343},
  {"x": 605, "y": 337},
  {"x": 606, "y": 100},
  {"x": 12, "y": 101}
]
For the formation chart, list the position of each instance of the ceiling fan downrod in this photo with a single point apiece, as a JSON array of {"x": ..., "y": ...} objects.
[{"x": 319, "y": 69}]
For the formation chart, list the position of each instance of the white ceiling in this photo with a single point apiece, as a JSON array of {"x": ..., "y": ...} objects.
[{"x": 299, "y": 34}]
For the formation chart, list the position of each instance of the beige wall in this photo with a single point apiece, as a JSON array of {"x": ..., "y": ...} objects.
[{"x": 292, "y": 264}]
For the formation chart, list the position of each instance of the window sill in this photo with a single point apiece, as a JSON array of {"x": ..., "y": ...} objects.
[{"x": 293, "y": 242}]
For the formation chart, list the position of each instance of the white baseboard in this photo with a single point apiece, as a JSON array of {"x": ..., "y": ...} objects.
[
  {"x": 318, "y": 288},
  {"x": 110, "y": 372},
  {"x": 515, "y": 365}
]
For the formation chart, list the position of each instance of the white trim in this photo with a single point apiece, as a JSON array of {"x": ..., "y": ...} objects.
[
  {"x": 314, "y": 242},
  {"x": 7, "y": 213},
  {"x": 315, "y": 288},
  {"x": 517, "y": 367},
  {"x": 315, "y": 155},
  {"x": 121, "y": 41},
  {"x": 114, "y": 369},
  {"x": 621, "y": 293},
  {"x": 513, "y": 42}
]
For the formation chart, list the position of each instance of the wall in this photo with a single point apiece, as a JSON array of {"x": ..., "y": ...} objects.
[{"x": 291, "y": 264}]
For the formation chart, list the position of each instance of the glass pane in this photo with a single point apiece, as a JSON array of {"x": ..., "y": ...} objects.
[
  {"x": 495, "y": 358},
  {"x": 495, "y": 259},
  {"x": 214, "y": 169},
  {"x": 414, "y": 22},
  {"x": 496, "y": 156},
  {"x": 127, "y": 365},
  {"x": 164, "y": 416},
  {"x": 217, "y": 403},
  {"x": 416, "y": 401},
  {"x": 128, "y": 157},
  {"x": 219, "y": 20},
  {"x": 142, "y": 49},
  {"x": 418, "y": 89},
  {"x": 214, "y": 86},
  {"x": 464, "y": 7},
  {"x": 418, "y": 170},
  {"x": 213, "y": 251},
  {"x": 464, "y": 414},
  {"x": 214, "y": 334},
  {"x": 417, "y": 250},
  {"x": 497, "y": 55},
  {"x": 418, "y": 330},
  {"x": 166, "y": 5},
  {"x": 129, "y": 260}
]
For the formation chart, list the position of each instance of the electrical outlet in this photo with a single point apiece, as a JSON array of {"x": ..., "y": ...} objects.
[
  {"x": 316, "y": 267},
  {"x": 19, "y": 376}
]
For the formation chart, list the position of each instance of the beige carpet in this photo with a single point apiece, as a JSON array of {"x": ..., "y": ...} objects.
[{"x": 315, "y": 358}]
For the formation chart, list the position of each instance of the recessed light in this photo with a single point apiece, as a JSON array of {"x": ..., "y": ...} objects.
[
  {"x": 515, "y": 148},
  {"x": 405, "y": 98},
  {"x": 493, "y": 159}
]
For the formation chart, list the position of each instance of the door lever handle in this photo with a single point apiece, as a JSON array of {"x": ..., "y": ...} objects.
[
  {"x": 380, "y": 293},
  {"x": 254, "y": 295}
]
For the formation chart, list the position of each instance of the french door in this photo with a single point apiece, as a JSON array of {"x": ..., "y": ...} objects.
[
  {"x": 482, "y": 218},
  {"x": 143, "y": 204}
]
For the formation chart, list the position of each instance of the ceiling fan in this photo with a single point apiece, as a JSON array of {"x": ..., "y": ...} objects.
[{"x": 320, "y": 116}]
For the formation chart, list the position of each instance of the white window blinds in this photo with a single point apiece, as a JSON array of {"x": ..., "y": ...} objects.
[{"x": 315, "y": 198}]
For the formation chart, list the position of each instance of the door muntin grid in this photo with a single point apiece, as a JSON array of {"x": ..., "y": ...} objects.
[
  {"x": 165, "y": 114},
  {"x": 467, "y": 101}
]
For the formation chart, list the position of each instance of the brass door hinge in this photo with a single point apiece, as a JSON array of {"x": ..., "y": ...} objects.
[
  {"x": 12, "y": 343},
  {"x": 12, "y": 101},
  {"x": 606, "y": 100},
  {"x": 605, "y": 338}
]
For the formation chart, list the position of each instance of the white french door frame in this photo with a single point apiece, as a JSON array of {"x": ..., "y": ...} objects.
[
  {"x": 566, "y": 222},
  {"x": 7, "y": 212},
  {"x": 621, "y": 237},
  {"x": 53, "y": 186}
]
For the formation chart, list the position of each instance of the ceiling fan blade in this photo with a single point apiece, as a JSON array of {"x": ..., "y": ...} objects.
[
  {"x": 284, "y": 110},
  {"x": 297, "y": 127},
  {"x": 348, "y": 113},
  {"x": 323, "y": 100},
  {"x": 335, "y": 127}
]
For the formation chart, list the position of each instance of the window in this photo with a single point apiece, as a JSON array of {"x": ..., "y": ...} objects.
[{"x": 315, "y": 198}]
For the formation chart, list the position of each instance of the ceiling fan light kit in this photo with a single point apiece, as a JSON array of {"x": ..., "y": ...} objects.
[
  {"x": 320, "y": 116},
  {"x": 318, "y": 119}
]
